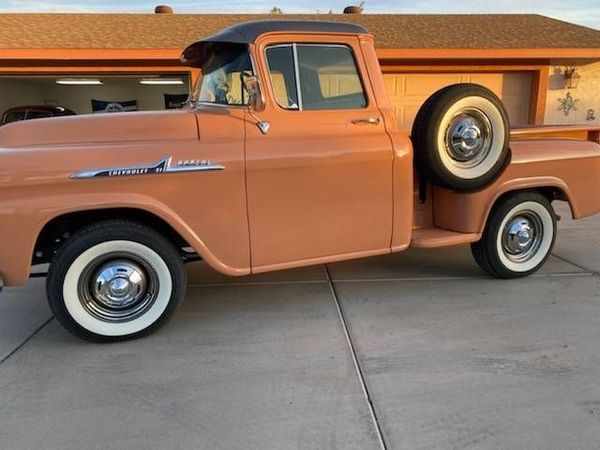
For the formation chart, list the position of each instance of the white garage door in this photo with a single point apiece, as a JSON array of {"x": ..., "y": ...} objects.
[{"x": 407, "y": 92}]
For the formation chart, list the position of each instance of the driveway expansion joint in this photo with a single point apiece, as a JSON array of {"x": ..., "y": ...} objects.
[
  {"x": 22, "y": 344},
  {"x": 589, "y": 271},
  {"x": 381, "y": 439}
]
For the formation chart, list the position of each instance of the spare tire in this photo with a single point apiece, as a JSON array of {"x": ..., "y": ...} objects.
[{"x": 461, "y": 137}]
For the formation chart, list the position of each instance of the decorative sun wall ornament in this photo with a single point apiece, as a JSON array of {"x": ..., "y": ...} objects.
[
  {"x": 591, "y": 115},
  {"x": 567, "y": 104}
]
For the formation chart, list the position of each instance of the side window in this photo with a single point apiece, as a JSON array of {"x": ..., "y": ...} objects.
[
  {"x": 283, "y": 77},
  {"x": 34, "y": 114},
  {"x": 329, "y": 78},
  {"x": 13, "y": 116},
  {"x": 315, "y": 77},
  {"x": 221, "y": 81}
]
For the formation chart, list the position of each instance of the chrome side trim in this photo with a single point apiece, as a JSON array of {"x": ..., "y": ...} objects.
[{"x": 165, "y": 165}]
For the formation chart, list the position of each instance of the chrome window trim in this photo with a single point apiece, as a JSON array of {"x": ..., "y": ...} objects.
[
  {"x": 221, "y": 105},
  {"x": 297, "y": 75},
  {"x": 316, "y": 44}
]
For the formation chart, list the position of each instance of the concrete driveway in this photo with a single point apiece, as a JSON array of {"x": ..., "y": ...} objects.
[{"x": 410, "y": 351}]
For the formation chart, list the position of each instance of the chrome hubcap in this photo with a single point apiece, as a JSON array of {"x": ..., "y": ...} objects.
[
  {"x": 118, "y": 288},
  {"x": 119, "y": 283},
  {"x": 468, "y": 138},
  {"x": 522, "y": 236}
]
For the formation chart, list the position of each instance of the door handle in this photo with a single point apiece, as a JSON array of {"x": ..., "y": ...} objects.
[{"x": 367, "y": 120}]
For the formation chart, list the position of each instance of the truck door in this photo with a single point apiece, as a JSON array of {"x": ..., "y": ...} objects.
[{"x": 319, "y": 181}]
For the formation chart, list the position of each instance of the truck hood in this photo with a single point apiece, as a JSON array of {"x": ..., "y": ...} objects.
[{"x": 99, "y": 128}]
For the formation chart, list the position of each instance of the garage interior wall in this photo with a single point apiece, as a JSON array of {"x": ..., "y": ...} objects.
[
  {"x": 39, "y": 91},
  {"x": 18, "y": 93}
]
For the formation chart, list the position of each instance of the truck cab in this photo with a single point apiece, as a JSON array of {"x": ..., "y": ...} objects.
[{"x": 320, "y": 152}]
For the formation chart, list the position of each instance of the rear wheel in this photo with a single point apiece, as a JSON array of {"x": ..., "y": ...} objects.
[
  {"x": 461, "y": 137},
  {"x": 518, "y": 237},
  {"x": 115, "y": 281}
]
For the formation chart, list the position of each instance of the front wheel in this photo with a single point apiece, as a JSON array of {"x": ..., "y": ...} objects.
[
  {"x": 115, "y": 280},
  {"x": 518, "y": 237}
]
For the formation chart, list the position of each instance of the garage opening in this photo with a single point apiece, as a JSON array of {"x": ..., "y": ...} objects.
[{"x": 31, "y": 97}]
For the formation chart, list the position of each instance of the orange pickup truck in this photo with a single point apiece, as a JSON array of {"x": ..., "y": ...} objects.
[{"x": 288, "y": 154}]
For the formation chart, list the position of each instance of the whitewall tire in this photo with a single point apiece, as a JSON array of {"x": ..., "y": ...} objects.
[
  {"x": 114, "y": 281},
  {"x": 518, "y": 237},
  {"x": 461, "y": 137}
]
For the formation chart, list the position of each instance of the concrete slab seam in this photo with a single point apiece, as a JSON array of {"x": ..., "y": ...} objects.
[
  {"x": 22, "y": 344},
  {"x": 357, "y": 367},
  {"x": 576, "y": 265}
]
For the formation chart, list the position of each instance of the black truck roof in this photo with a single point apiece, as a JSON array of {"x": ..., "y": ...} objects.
[{"x": 248, "y": 32}]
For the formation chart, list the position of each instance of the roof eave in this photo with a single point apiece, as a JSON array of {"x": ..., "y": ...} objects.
[
  {"x": 90, "y": 54},
  {"x": 406, "y": 54}
]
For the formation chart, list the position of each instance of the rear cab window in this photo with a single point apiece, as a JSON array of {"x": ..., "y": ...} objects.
[{"x": 315, "y": 77}]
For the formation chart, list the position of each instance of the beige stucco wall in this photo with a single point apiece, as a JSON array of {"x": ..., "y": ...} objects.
[{"x": 587, "y": 96}]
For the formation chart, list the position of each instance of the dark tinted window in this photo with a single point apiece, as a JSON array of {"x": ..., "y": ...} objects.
[
  {"x": 33, "y": 114},
  {"x": 13, "y": 116}
]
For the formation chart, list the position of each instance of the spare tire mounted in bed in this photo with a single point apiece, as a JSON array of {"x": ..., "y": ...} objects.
[{"x": 461, "y": 136}]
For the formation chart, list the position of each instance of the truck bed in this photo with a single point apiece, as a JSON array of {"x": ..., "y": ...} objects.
[
  {"x": 550, "y": 157},
  {"x": 583, "y": 132}
]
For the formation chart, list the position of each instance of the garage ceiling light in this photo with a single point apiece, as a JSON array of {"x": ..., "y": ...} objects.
[
  {"x": 78, "y": 82},
  {"x": 161, "y": 81}
]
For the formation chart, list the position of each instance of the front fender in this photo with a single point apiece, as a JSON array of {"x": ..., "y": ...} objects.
[{"x": 22, "y": 220}]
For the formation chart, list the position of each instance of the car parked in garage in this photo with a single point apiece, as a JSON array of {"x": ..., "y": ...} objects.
[
  {"x": 288, "y": 155},
  {"x": 34, "y": 112}
]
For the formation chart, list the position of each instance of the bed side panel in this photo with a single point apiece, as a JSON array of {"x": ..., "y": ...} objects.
[{"x": 571, "y": 166}]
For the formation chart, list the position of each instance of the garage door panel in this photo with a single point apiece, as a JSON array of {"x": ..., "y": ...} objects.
[
  {"x": 517, "y": 84},
  {"x": 394, "y": 84},
  {"x": 421, "y": 84},
  {"x": 407, "y": 92},
  {"x": 490, "y": 80},
  {"x": 410, "y": 112},
  {"x": 517, "y": 114}
]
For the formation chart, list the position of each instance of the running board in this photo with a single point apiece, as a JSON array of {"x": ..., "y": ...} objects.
[{"x": 438, "y": 237}]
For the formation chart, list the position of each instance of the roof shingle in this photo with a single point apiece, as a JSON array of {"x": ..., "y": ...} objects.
[{"x": 404, "y": 31}]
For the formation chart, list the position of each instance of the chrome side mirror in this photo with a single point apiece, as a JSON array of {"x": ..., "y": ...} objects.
[{"x": 256, "y": 100}]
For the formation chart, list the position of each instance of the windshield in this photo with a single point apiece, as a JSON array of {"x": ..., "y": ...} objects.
[{"x": 221, "y": 75}]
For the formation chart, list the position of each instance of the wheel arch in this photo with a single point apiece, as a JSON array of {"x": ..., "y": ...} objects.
[
  {"x": 469, "y": 212},
  {"x": 57, "y": 229},
  {"x": 552, "y": 188}
]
